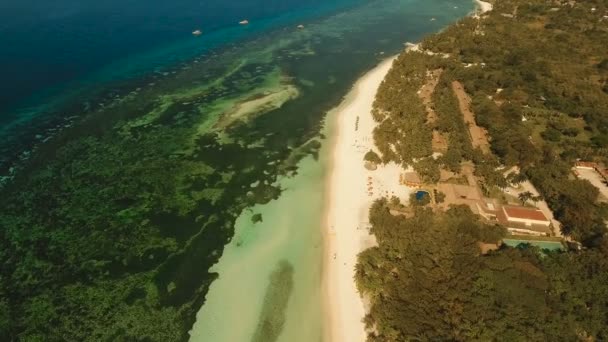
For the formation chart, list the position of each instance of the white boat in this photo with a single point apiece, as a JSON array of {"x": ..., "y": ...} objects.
[
  {"x": 197, "y": 32},
  {"x": 244, "y": 22}
]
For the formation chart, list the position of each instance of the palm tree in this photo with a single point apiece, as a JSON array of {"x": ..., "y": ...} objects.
[
  {"x": 525, "y": 197},
  {"x": 536, "y": 199},
  {"x": 519, "y": 178}
]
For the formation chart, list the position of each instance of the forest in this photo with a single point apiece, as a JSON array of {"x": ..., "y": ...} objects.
[
  {"x": 536, "y": 72},
  {"x": 428, "y": 281}
]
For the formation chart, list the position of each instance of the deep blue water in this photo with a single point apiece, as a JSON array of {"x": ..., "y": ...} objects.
[
  {"x": 59, "y": 58},
  {"x": 54, "y": 46}
]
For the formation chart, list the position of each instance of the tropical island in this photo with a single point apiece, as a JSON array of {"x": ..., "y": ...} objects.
[{"x": 498, "y": 126}]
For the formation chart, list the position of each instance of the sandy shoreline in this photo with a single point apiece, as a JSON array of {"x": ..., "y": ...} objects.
[
  {"x": 483, "y": 6},
  {"x": 352, "y": 189}
]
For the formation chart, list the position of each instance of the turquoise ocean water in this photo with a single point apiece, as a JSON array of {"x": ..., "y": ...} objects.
[{"x": 63, "y": 59}]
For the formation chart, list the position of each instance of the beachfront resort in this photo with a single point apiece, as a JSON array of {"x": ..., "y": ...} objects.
[
  {"x": 507, "y": 209},
  {"x": 499, "y": 143},
  {"x": 517, "y": 205}
]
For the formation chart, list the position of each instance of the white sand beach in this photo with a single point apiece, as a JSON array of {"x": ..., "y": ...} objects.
[
  {"x": 483, "y": 6},
  {"x": 352, "y": 189}
]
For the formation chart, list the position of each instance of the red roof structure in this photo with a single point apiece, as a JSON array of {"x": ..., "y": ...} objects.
[
  {"x": 590, "y": 165},
  {"x": 525, "y": 213}
]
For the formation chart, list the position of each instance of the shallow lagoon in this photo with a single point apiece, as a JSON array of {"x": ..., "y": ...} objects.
[{"x": 244, "y": 298}]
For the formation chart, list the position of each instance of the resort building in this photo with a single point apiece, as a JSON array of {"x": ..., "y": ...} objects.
[
  {"x": 411, "y": 179},
  {"x": 517, "y": 219},
  {"x": 523, "y": 220},
  {"x": 486, "y": 209},
  {"x": 527, "y": 216}
]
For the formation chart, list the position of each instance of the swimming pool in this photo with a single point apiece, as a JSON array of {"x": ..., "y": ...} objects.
[
  {"x": 420, "y": 194},
  {"x": 548, "y": 245}
]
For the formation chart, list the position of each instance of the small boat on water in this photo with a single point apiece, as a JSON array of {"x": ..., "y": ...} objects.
[
  {"x": 244, "y": 22},
  {"x": 197, "y": 32}
]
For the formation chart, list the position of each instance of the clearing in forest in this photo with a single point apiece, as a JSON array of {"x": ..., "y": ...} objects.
[
  {"x": 440, "y": 141},
  {"x": 479, "y": 135}
]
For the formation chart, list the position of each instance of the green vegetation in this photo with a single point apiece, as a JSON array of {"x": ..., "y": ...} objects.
[
  {"x": 451, "y": 123},
  {"x": 427, "y": 280},
  {"x": 257, "y": 218},
  {"x": 488, "y": 169},
  {"x": 428, "y": 169},
  {"x": 372, "y": 157},
  {"x": 525, "y": 196},
  {"x": 540, "y": 99},
  {"x": 538, "y": 77},
  {"x": 401, "y": 135},
  {"x": 573, "y": 201},
  {"x": 110, "y": 228}
]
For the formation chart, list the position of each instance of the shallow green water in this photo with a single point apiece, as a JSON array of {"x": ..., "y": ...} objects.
[{"x": 289, "y": 234}]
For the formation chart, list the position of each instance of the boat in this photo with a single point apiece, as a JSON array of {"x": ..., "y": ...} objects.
[
  {"x": 300, "y": 26},
  {"x": 197, "y": 32},
  {"x": 244, "y": 22}
]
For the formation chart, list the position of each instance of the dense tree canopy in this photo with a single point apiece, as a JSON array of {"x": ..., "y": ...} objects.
[
  {"x": 427, "y": 280},
  {"x": 536, "y": 74},
  {"x": 372, "y": 157},
  {"x": 401, "y": 134}
]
